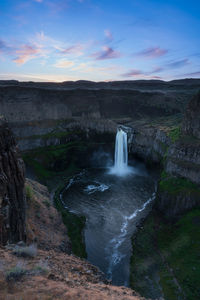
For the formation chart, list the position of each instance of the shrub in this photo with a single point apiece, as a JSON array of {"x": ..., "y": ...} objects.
[
  {"x": 29, "y": 251},
  {"x": 15, "y": 273},
  {"x": 41, "y": 268}
]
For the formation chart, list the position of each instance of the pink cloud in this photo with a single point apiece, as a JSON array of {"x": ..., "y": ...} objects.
[
  {"x": 139, "y": 73},
  {"x": 65, "y": 64},
  {"x": 74, "y": 49},
  {"x": 153, "y": 52},
  {"x": 108, "y": 34},
  {"x": 26, "y": 53},
  {"x": 106, "y": 53},
  {"x": 133, "y": 73}
]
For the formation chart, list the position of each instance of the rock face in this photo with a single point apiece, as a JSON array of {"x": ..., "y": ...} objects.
[
  {"x": 43, "y": 222},
  {"x": 37, "y": 109},
  {"x": 149, "y": 143},
  {"x": 56, "y": 275},
  {"x": 184, "y": 155},
  {"x": 12, "y": 199},
  {"x": 191, "y": 124},
  {"x": 184, "y": 159}
]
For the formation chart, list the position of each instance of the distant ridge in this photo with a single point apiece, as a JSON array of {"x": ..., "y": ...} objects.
[{"x": 127, "y": 84}]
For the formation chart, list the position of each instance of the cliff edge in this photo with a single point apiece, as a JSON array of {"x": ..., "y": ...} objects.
[{"x": 12, "y": 199}]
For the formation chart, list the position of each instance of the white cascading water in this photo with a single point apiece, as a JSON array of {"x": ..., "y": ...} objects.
[{"x": 120, "y": 167}]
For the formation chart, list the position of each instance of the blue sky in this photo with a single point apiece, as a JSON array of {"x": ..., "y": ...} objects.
[{"x": 49, "y": 40}]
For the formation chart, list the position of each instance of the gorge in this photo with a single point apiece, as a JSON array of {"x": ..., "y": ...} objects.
[{"x": 70, "y": 127}]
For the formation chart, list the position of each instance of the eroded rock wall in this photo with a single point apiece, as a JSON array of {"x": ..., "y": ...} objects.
[
  {"x": 12, "y": 198},
  {"x": 191, "y": 124},
  {"x": 37, "y": 109}
]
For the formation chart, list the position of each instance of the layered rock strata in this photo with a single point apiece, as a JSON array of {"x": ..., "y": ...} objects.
[{"x": 12, "y": 199}]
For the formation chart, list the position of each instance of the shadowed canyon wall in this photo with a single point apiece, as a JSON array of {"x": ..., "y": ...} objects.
[
  {"x": 35, "y": 110},
  {"x": 12, "y": 199}
]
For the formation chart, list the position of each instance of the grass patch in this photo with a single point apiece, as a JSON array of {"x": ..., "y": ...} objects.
[
  {"x": 74, "y": 224},
  {"x": 175, "y": 134},
  {"x": 174, "y": 185},
  {"x": 41, "y": 268},
  {"x": 170, "y": 250},
  {"x": 49, "y": 162}
]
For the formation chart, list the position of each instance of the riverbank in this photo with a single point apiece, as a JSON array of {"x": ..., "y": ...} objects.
[{"x": 165, "y": 261}]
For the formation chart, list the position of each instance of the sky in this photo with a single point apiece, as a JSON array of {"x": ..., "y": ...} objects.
[{"x": 99, "y": 40}]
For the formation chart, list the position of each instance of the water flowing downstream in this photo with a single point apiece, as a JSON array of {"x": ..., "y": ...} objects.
[
  {"x": 113, "y": 202},
  {"x": 113, "y": 206}
]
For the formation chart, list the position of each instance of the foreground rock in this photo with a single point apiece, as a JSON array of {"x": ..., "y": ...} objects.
[
  {"x": 12, "y": 198},
  {"x": 44, "y": 224},
  {"x": 53, "y": 275}
]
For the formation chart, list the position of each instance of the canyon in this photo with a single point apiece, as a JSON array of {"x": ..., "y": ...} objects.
[{"x": 58, "y": 127}]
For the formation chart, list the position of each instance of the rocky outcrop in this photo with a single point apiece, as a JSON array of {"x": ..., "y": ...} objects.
[
  {"x": 43, "y": 222},
  {"x": 58, "y": 276},
  {"x": 183, "y": 159},
  {"x": 12, "y": 198},
  {"x": 149, "y": 143},
  {"x": 171, "y": 204},
  {"x": 184, "y": 155},
  {"x": 191, "y": 123},
  {"x": 33, "y": 135}
]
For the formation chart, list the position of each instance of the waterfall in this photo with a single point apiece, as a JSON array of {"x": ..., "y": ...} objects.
[{"x": 121, "y": 154}]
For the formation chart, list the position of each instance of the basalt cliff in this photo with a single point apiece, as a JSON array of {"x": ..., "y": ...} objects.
[
  {"x": 12, "y": 198},
  {"x": 58, "y": 127},
  {"x": 39, "y": 112}
]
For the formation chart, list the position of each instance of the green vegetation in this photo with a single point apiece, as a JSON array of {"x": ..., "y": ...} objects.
[
  {"x": 29, "y": 192},
  {"x": 15, "y": 274},
  {"x": 166, "y": 256},
  {"x": 27, "y": 251},
  {"x": 74, "y": 224},
  {"x": 176, "y": 185},
  {"x": 175, "y": 134},
  {"x": 47, "y": 162}
]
